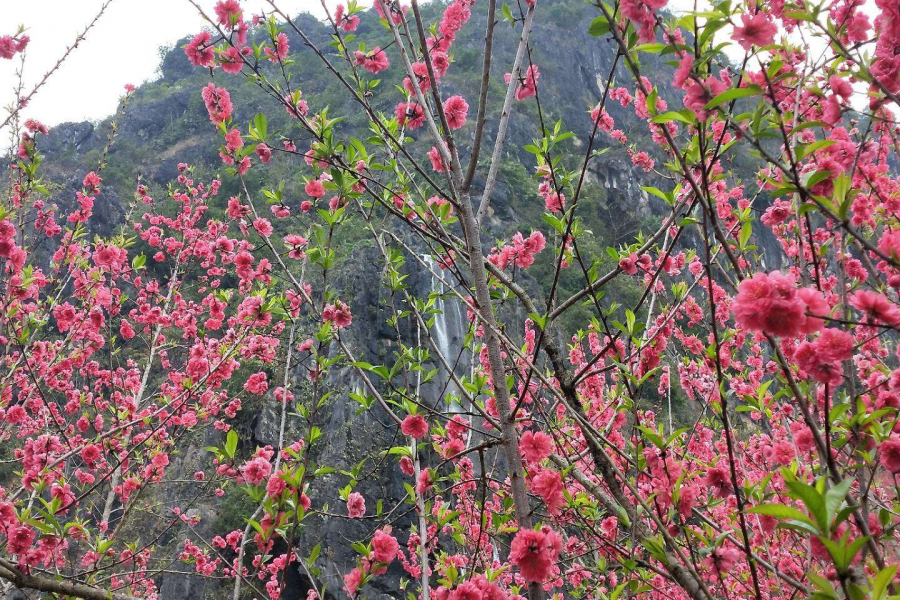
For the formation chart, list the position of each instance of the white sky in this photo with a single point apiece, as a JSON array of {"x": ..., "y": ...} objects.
[{"x": 123, "y": 47}]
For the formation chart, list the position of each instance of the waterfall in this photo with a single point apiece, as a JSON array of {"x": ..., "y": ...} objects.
[{"x": 448, "y": 332}]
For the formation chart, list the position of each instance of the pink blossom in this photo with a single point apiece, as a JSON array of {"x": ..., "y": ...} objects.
[
  {"x": 437, "y": 162},
  {"x": 718, "y": 480},
  {"x": 876, "y": 305},
  {"x": 642, "y": 160},
  {"x": 373, "y": 61},
  {"x": 629, "y": 264},
  {"x": 410, "y": 114},
  {"x": 352, "y": 581},
  {"x": 535, "y": 446},
  {"x": 835, "y": 344},
  {"x": 233, "y": 140},
  {"x": 440, "y": 62},
  {"x": 640, "y": 13},
  {"x": 407, "y": 467},
  {"x": 384, "y": 546},
  {"x": 356, "y": 505},
  {"x": 263, "y": 227},
  {"x": 683, "y": 73},
  {"x": 314, "y": 189},
  {"x": 275, "y": 486},
  {"x": 256, "y": 383},
  {"x": 840, "y": 87},
  {"x": 218, "y": 103},
  {"x": 91, "y": 182},
  {"x": 771, "y": 303},
  {"x": 296, "y": 243},
  {"x": 602, "y": 118},
  {"x": 90, "y": 454},
  {"x": 10, "y": 46},
  {"x": 199, "y": 51},
  {"x": 228, "y": 12},
  {"x": 890, "y": 455},
  {"x": 19, "y": 539},
  {"x": 256, "y": 470},
  {"x": 831, "y": 110},
  {"x": 699, "y": 95},
  {"x": 264, "y": 152},
  {"x": 755, "y": 30},
  {"x": 456, "y": 108},
  {"x": 724, "y": 559},
  {"x": 535, "y": 553},
  {"x": 548, "y": 485},
  {"x": 415, "y": 426},
  {"x": 818, "y": 365},
  {"x": 338, "y": 314},
  {"x": 466, "y": 590},
  {"x": 279, "y": 49},
  {"x": 858, "y": 28},
  {"x": 554, "y": 201},
  {"x": 527, "y": 84},
  {"x": 420, "y": 70},
  {"x": 777, "y": 213},
  {"x": 283, "y": 395},
  {"x": 424, "y": 482},
  {"x": 346, "y": 22}
]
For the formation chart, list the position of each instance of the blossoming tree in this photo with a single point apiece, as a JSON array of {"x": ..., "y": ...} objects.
[{"x": 783, "y": 486}]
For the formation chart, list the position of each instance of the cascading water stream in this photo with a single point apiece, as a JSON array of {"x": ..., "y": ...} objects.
[{"x": 448, "y": 332}]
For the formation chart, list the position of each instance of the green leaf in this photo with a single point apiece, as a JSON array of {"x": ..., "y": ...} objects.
[
  {"x": 843, "y": 552},
  {"x": 672, "y": 115},
  {"x": 630, "y": 320},
  {"x": 651, "y": 100},
  {"x": 840, "y": 198},
  {"x": 259, "y": 125},
  {"x": 231, "y": 441},
  {"x": 652, "y": 437},
  {"x": 539, "y": 320},
  {"x": 651, "y": 48},
  {"x": 558, "y": 224},
  {"x": 780, "y": 511},
  {"x": 732, "y": 94},
  {"x": 599, "y": 26},
  {"x": 817, "y": 177},
  {"x": 807, "y": 149},
  {"x": 814, "y": 502},
  {"x": 881, "y": 581},
  {"x": 746, "y": 232},
  {"x": 823, "y": 586},
  {"x": 669, "y": 198},
  {"x": 835, "y": 497},
  {"x": 809, "y": 125}
]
